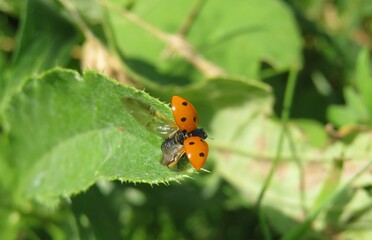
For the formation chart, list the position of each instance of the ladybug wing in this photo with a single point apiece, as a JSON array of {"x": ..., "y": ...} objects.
[
  {"x": 196, "y": 151},
  {"x": 184, "y": 114},
  {"x": 172, "y": 152},
  {"x": 146, "y": 115}
]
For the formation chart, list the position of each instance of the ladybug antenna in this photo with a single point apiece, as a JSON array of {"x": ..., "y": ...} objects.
[
  {"x": 205, "y": 170},
  {"x": 210, "y": 138}
]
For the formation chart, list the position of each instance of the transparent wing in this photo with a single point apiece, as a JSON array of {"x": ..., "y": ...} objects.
[{"x": 146, "y": 115}]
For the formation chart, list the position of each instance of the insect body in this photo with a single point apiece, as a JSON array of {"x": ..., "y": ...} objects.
[{"x": 187, "y": 139}]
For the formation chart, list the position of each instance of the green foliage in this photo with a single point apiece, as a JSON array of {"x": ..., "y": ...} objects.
[
  {"x": 220, "y": 32},
  {"x": 358, "y": 109},
  {"x": 87, "y": 134},
  {"x": 84, "y": 87}
]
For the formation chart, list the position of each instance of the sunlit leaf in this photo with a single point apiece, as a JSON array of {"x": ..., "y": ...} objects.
[{"x": 67, "y": 131}]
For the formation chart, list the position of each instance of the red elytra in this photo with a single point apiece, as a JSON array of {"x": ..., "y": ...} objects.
[
  {"x": 184, "y": 114},
  {"x": 196, "y": 151}
]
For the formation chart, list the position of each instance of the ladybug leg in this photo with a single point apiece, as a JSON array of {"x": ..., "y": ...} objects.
[{"x": 171, "y": 136}]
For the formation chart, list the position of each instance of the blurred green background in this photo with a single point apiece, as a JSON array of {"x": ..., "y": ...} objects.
[{"x": 283, "y": 88}]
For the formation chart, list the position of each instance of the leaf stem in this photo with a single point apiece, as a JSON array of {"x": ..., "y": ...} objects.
[
  {"x": 291, "y": 83},
  {"x": 194, "y": 13},
  {"x": 300, "y": 165},
  {"x": 284, "y": 117},
  {"x": 176, "y": 42},
  {"x": 70, "y": 7}
]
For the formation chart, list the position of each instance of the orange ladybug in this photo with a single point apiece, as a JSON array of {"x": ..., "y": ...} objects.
[{"x": 187, "y": 139}]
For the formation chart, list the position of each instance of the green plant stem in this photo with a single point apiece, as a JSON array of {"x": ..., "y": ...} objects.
[
  {"x": 71, "y": 8},
  {"x": 179, "y": 44},
  {"x": 298, "y": 161},
  {"x": 194, "y": 13},
  {"x": 284, "y": 118},
  {"x": 109, "y": 32}
]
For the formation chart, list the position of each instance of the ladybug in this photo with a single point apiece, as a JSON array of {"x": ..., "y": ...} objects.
[{"x": 187, "y": 139}]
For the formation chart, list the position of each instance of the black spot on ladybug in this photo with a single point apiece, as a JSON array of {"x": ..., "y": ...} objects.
[
  {"x": 183, "y": 119},
  {"x": 191, "y": 143},
  {"x": 194, "y": 119},
  {"x": 201, "y": 154},
  {"x": 184, "y": 103}
]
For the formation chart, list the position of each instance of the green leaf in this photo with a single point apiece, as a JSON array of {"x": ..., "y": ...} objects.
[
  {"x": 245, "y": 147},
  {"x": 356, "y": 106},
  {"x": 364, "y": 79},
  {"x": 313, "y": 130},
  {"x": 9, "y": 224},
  {"x": 360, "y": 230},
  {"x": 242, "y": 35},
  {"x": 10, "y": 6},
  {"x": 338, "y": 208},
  {"x": 340, "y": 115},
  {"x": 238, "y": 37},
  {"x": 330, "y": 185},
  {"x": 45, "y": 40},
  {"x": 68, "y": 130},
  {"x": 51, "y": 48},
  {"x": 102, "y": 221}
]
